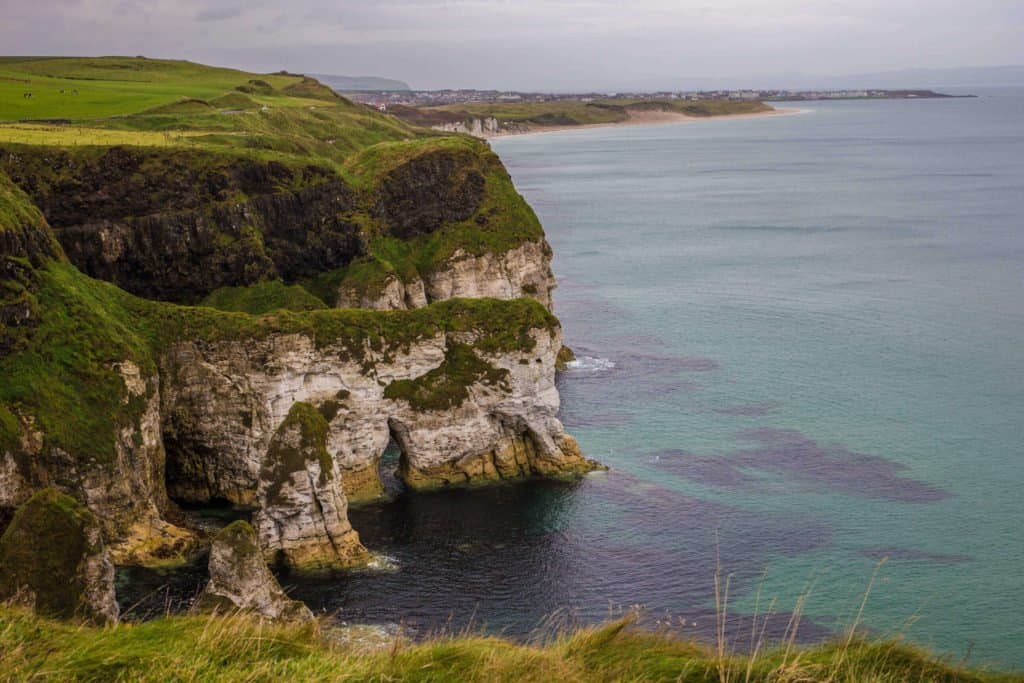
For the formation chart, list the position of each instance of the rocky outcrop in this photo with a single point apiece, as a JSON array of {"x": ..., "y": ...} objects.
[
  {"x": 302, "y": 520},
  {"x": 52, "y": 558},
  {"x": 391, "y": 294},
  {"x": 223, "y": 403},
  {"x": 419, "y": 196},
  {"x": 128, "y": 493},
  {"x": 240, "y": 580},
  {"x": 178, "y": 225},
  {"x": 524, "y": 271},
  {"x": 475, "y": 126}
]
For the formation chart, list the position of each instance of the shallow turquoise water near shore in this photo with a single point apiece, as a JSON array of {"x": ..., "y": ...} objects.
[
  {"x": 801, "y": 342},
  {"x": 817, "y": 319}
]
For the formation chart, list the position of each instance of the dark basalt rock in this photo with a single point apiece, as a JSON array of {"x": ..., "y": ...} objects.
[
  {"x": 176, "y": 225},
  {"x": 428, "y": 191}
]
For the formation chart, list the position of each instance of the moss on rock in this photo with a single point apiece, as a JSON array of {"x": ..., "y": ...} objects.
[
  {"x": 51, "y": 556},
  {"x": 300, "y": 438},
  {"x": 447, "y": 385},
  {"x": 240, "y": 581}
]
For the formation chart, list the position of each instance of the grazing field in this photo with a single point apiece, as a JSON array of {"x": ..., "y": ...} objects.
[
  {"x": 111, "y": 101},
  {"x": 89, "y": 88},
  {"x": 75, "y": 136}
]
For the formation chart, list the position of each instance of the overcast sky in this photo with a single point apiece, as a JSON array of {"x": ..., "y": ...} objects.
[{"x": 533, "y": 44}]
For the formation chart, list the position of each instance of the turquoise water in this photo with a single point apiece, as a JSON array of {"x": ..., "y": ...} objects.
[
  {"x": 801, "y": 335},
  {"x": 801, "y": 343}
]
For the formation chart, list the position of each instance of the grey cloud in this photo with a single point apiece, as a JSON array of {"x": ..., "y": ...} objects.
[
  {"x": 218, "y": 14},
  {"x": 536, "y": 44}
]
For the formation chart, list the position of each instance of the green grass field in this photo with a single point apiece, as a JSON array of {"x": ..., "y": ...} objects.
[
  {"x": 91, "y": 88},
  {"x": 108, "y": 101}
]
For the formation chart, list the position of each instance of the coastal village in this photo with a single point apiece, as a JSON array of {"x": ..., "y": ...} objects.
[{"x": 382, "y": 99}]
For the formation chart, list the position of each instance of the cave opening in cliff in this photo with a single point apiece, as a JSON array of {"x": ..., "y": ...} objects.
[{"x": 390, "y": 467}]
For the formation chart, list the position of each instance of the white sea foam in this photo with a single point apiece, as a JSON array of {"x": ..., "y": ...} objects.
[
  {"x": 590, "y": 364},
  {"x": 380, "y": 562}
]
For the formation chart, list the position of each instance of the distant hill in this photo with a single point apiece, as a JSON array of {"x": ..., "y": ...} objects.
[{"x": 361, "y": 82}]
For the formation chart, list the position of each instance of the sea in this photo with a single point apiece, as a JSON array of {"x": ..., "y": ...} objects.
[{"x": 800, "y": 346}]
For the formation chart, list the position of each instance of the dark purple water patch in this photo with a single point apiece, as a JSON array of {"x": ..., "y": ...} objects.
[
  {"x": 791, "y": 454},
  {"x": 832, "y": 466},
  {"x": 677, "y": 524},
  {"x": 750, "y": 410},
  {"x": 710, "y": 471},
  {"x": 899, "y": 554},
  {"x": 698, "y": 364}
]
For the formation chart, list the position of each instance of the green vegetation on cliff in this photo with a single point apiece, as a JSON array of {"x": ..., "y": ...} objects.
[
  {"x": 448, "y": 384},
  {"x": 572, "y": 112},
  {"x": 301, "y": 437},
  {"x": 42, "y": 555},
  {"x": 241, "y": 648},
  {"x": 211, "y": 170},
  {"x": 263, "y": 297}
]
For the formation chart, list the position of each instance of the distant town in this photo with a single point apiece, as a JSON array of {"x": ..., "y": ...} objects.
[{"x": 382, "y": 99}]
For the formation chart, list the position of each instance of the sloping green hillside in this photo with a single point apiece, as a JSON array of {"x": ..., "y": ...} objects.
[{"x": 153, "y": 138}]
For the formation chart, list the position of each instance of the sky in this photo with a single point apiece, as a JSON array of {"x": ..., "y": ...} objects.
[{"x": 534, "y": 44}]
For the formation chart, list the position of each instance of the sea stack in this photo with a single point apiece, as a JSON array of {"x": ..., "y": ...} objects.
[{"x": 240, "y": 580}]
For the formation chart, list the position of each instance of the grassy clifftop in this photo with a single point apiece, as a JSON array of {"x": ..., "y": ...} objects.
[
  {"x": 216, "y": 171},
  {"x": 237, "y": 648},
  {"x": 231, "y": 159}
]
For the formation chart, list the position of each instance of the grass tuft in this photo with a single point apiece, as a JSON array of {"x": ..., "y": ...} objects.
[{"x": 237, "y": 647}]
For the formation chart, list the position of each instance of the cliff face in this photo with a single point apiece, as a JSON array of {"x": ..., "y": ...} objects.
[
  {"x": 176, "y": 225},
  {"x": 135, "y": 405},
  {"x": 223, "y": 403},
  {"x": 524, "y": 271}
]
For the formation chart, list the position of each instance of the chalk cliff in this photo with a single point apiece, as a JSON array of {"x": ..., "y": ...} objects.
[
  {"x": 420, "y": 316},
  {"x": 241, "y": 582}
]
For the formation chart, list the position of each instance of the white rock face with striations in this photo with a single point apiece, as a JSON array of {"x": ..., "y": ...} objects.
[
  {"x": 302, "y": 518},
  {"x": 240, "y": 580},
  {"x": 129, "y": 505},
  {"x": 476, "y": 126},
  {"x": 521, "y": 272},
  {"x": 223, "y": 403}
]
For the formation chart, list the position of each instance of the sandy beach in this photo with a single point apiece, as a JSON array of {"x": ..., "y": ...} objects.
[{"x": 648, "y": 118}]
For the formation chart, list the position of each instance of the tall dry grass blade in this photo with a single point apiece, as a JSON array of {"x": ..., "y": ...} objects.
[{"x": 856, "y": 621}]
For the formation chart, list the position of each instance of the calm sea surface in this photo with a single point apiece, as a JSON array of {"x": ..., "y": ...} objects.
[{"x": 802, "y": 351}]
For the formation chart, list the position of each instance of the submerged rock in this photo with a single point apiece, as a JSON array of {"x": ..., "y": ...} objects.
[
  {"x": 303, "y": 515},
  {"x": 565, "y": 356},
  {"x": 52, "y": 558},
  {"x": 240, "y": 580}
]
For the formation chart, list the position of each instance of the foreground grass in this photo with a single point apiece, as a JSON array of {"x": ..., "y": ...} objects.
[{"x": 238, "y": 648}]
